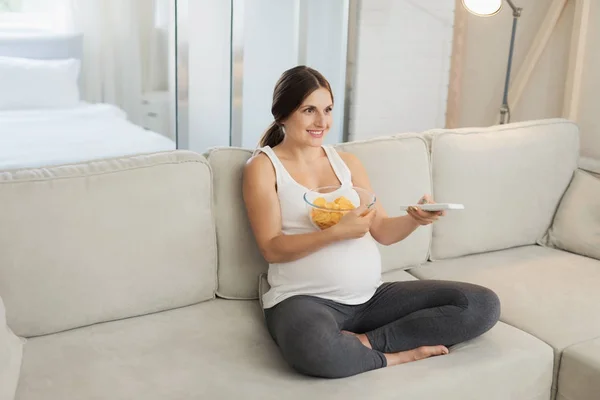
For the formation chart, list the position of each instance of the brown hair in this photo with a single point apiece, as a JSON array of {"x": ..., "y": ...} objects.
[{"x": 294, "y": 85}]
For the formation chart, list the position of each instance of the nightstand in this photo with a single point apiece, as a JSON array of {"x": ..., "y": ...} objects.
[{"x": 156, "y": 113}]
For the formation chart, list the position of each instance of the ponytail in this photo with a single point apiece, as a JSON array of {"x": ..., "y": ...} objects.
[{"x": 273, "y": 136}]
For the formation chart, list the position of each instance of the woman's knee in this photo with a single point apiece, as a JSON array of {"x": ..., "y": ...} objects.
[
  {"x": 484, "y": 309},
  {"x": 309, "y": 341},
  {"x": 316, "y": 354},
  {"x": 327, "y": 364}
]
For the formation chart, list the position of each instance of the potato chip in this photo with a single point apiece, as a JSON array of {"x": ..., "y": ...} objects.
[
  {"x": 344, "y": 203},
  {"x": 325, "y": 219},
  {"x": 320, "y": 202}
]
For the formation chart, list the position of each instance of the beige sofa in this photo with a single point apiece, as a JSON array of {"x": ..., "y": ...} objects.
[{"x": 137, "y": 277}]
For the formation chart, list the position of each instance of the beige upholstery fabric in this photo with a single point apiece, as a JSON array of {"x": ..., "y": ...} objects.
[
  {"x": 507, "y": 177},
  {"x": 576, "y": 225},
  {"x": 11, "y": 354},
  {"x": 549, "y": 293},
  {"x": 105, "y": 240},
  {"x": 240, "y": 261},
  {"x": 398, "y": 168},
  {"x": 579, "y": 377},
  {"x": 221, "y": 350},
  {"x": 591, "y": 165},
  {"x": 263, "y": 287},
  {"x": 398, "y": 276}
]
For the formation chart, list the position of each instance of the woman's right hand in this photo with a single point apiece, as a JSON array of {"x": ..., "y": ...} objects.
[{"x": 355, "y": 224}]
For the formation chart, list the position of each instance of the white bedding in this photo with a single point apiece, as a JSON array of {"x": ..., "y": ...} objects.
[{"x": 35, "y": 138}]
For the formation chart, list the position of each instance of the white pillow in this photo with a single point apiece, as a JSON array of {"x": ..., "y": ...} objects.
[
  {"x": 38, "y": 84},
  {"x": 11, "y": 355}
]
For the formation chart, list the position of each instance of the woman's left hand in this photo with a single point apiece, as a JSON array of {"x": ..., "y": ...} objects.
[{"x": 425, "y": 217}]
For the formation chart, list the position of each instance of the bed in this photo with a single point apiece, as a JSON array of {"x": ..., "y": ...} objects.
[
  {"x": 44, "y": 122},
  {"x": 35, "y": 138}
]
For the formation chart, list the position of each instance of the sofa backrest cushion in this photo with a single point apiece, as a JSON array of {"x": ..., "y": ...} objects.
[
  {"x": 240, "y": 261},
  {"x": 510, "y": 179},
  {"x": 576, "y": 225},
  {"x": 398, "y": 168},
  {"x": 105, "y": 240}
]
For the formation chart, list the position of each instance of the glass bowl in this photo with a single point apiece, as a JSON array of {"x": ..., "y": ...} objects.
[{"x": 328, "y": 204}]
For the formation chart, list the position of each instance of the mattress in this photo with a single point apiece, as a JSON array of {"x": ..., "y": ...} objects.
[{"x": 37, "y": 138}]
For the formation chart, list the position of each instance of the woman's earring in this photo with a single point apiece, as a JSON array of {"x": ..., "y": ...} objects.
[{"x": 283, "y": 128}]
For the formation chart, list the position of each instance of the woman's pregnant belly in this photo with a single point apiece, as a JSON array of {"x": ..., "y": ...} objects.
[{"x": 348, "y": 272}]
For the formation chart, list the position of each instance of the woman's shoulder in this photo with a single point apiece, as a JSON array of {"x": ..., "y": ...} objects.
[{"x": 259, "y": 166}]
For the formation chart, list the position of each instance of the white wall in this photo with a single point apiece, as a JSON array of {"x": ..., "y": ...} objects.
[{"x": 402, "y": 66}]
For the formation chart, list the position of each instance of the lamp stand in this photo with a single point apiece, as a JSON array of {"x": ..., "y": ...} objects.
[{"x": 504, "y": 108}]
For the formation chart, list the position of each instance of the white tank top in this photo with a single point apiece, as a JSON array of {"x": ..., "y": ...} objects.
[{"x": 347, "y": 271}]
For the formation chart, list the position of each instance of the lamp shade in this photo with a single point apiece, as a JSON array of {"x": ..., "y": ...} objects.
[{"x": 482, "y": 7}]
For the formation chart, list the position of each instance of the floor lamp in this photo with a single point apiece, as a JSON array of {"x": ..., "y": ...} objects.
[{"x": 486, "y": 8}]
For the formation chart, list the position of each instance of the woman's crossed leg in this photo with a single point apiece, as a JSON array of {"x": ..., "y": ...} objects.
[{"x": 402, "y": 322}]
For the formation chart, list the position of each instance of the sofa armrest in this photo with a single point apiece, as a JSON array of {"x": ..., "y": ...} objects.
[{"x": 11, "y": 356}]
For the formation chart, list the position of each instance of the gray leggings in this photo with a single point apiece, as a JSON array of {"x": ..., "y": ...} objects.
[{"x": 400, "y": 316}]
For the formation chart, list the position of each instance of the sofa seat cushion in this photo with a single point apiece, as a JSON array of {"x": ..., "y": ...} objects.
[
  {"x": 549, "y": 293},
  {"x": 579, "y": 377},
  {"x": 177, "y": 354}
]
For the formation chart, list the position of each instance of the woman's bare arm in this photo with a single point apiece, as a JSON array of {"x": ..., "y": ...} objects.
[
  {"x": 385, "y": 230},
  {"x": 262, "y": 206}
]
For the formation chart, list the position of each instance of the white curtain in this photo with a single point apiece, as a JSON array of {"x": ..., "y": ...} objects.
[
  {"x": 124, "y": 46},
  {"x": 159, "y": 51}
]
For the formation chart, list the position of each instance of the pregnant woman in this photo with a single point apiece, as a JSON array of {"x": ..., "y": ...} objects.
[{"x": 328, "y": 310}]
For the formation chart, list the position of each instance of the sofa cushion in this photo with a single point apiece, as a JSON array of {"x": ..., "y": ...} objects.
[
  {"x": 591, "y": 165},
  {"x": 508, "y": 178},
  {"x": 403, "y": 158},
  {"x": 103, "y": 240},
  {"x": 580, "y": 372},
  {"x": 221, "y": 350},
  {"x": 576, "y": 225},
  {"x": 11, "y": 355},
  {"x": 549, "y": 293},
  {"x": 240, "y": 261}
]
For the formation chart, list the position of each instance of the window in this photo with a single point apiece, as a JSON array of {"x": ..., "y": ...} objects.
[
  {"x": 10, "y": 5},
  {"x": 30, "y": 14}
]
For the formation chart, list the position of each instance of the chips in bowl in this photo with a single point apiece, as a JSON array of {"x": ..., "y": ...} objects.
[{"x": 327, "y": 205}]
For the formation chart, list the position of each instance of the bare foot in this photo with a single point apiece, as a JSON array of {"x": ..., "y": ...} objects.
[
  {"x": 362, "y": 337},
  {"x": 403, "y": 357},
  {"x": 417, "y": 354}
]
